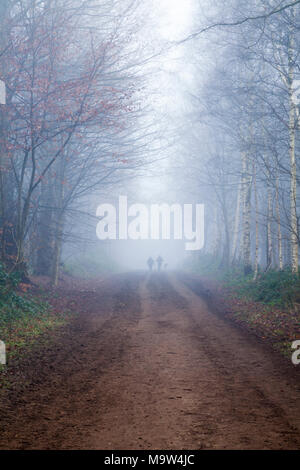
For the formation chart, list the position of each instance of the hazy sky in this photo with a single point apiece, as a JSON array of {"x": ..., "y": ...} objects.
[
  {"x": 171, "y": 74},
  {"x": 174, "y": 17},
  {"x": 171, "y": 21},
  {"x": 168, "y": 77}
]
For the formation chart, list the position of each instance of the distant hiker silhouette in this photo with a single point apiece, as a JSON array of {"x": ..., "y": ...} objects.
[
  {"x": 150, "y": 263},
  {"x": 159, "y": 263}
]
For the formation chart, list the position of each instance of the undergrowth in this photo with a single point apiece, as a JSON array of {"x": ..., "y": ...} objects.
[{"x": 23, "y": 317}]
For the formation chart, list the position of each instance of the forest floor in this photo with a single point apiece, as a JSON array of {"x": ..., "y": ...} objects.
[{"x": 146, "y": 362}]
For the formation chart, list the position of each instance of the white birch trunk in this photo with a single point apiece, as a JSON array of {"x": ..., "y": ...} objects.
[
  {"x": 246, "y": 215},
  {"x": 269, "y": 223},
  {"x": 293, "y": 168},
  {"x": 279, "y": 234},
  {"x": 236, "y": 224},
  {"x": 256, "y": 225}
]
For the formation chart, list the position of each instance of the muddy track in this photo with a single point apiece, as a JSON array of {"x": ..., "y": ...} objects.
[{"x": 147, "y": 365}]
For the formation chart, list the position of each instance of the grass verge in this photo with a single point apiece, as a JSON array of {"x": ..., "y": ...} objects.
[{"x": 24, "y": 319}]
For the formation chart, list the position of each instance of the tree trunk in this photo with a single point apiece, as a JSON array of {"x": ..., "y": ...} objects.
[
  {"x": 236, "y": 225},
  {"x": 226, "y": 252},
  {"x": 58, "y": 236},
  {"x": 246, "y": 215},
  {"x": 57, "y": 250},
  {"x": 256, "y": 225},
  {"x": 293, "y": 168},
  {"x": 44, "y": 240},
  {"x": 279, "y": 234},
  {"x": 217, "y": 238},
  {"x": 269, "y": 221}
]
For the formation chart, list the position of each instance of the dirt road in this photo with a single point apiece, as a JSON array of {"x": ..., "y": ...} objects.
[{"x": 146, "y": 365}]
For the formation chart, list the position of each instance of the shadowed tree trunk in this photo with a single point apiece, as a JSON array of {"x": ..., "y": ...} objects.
[
  {"x": 236, "y": 225},
  {"x": 246, "y": 215},
  {"x": 256, "y": 225}
]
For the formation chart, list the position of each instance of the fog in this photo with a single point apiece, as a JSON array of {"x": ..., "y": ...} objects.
[
  {"x": 168, "y": 75},
  {"x": 168, "y": 102}
]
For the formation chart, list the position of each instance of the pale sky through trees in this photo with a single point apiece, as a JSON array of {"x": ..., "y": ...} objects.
[
  {"x": 171, "y": 19},
  {"x": 174, "y": 17}
]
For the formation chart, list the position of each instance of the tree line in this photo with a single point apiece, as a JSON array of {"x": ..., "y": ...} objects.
[
  {"x": 68, "y": 126},
  {"x": 243, "y": 145}
]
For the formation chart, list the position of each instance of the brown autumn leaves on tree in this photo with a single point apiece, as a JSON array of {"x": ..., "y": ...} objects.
[{"x": 69, "y": 109}]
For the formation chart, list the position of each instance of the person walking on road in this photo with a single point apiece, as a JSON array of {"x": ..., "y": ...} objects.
[
  {"x": 150, "y": 263},
  {"x": 159, "y": 263}
]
